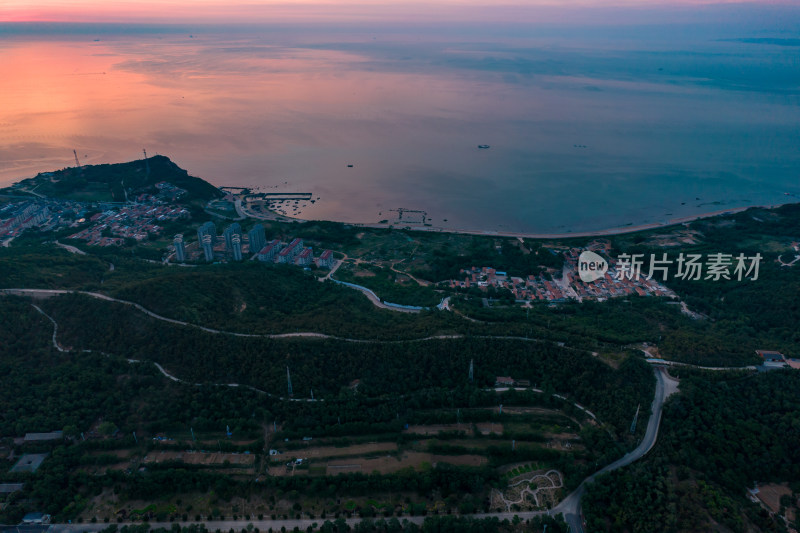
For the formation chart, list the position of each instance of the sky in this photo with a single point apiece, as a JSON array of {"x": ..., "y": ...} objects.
[{"x": 216, "y": 11}]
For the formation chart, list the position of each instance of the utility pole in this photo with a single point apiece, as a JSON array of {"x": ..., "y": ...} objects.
[
  {"x": 146, "y": 164},
  {"x": 289, "y": 381},
  {"x": 471, "y": 370},
  {"x": 635, "y": 418}
]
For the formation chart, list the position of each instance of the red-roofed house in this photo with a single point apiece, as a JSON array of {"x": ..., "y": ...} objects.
[{"x": 326, "y": 260}]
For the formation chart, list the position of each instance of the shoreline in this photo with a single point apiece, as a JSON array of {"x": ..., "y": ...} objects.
[
  {"x": 243, "y": 212},
  {"x": 618, "y": 230}
]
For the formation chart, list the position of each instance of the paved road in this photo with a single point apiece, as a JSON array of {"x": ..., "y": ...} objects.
[
  {"x": 226, "y": 525},
  {"x": 377, "y": 302},
  {"x": 656, "y": 361},
  {"x": 47, "y": 293},
  {"x": 70, "y": 248},
  {"x": 333, "y": 269},
  {"x": 367, "y": 292},
  {"x": 237, "y": 204},
  {"x": 571, "y": 505}
]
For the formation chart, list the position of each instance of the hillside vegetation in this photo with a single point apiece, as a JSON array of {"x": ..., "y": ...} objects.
[{"x": 108, "y": 182}]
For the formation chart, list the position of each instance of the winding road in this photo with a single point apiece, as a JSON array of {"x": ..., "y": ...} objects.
[
  {"x": 570, "y": 507},
  {"x": 48, "y": 293},
  {"x": 376, "y": 301}
]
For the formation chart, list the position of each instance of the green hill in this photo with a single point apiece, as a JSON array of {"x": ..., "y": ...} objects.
[{"x": 110, "y": 182}]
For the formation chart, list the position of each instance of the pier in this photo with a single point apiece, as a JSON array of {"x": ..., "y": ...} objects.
[{"x": 266, "y": 196}]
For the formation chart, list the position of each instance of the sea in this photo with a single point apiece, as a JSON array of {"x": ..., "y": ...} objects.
[{"x": 496, "y": 128}]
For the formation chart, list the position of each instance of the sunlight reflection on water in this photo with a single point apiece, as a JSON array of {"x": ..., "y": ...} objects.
[{"x": 579, "y": 139}]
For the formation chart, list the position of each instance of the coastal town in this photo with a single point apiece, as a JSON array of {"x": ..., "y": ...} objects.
[
  {"x": 137, "y": 222},
  {"x": 561, "y": 286},
  {"x": 233, "y": 244},
  {"x": 110, "y": 224},
  {"x": 45, "y": 214},
  {"x": 171, "y": 227},
  {"x": 400, "y": 267},
  {"x": 145, "y": 219}
]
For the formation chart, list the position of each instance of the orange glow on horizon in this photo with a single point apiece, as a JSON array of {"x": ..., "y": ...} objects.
[{"x": 207, "y": 11}]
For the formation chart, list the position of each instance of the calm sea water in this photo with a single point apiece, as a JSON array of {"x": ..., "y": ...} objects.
[{"x": 587, "y": 130}]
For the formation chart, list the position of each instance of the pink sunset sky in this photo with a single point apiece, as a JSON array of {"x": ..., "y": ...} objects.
[{"x": 216, "y": 11}]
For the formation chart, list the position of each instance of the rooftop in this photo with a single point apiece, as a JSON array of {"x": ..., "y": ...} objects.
[
  {"x": 30, "y": 462},
  {"x": 8, "y": 488},
  {"x": 52, "y": 435},
  {"x": 770, "y": 355}
]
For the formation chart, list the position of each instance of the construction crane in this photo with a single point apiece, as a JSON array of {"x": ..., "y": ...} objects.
[{"x": 77, "y": 162}]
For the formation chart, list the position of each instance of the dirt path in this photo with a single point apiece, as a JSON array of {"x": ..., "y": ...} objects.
[
  {"x": 547, "y": 478},
  {"x": 421, "y": 283},
  {"x": 161, "y": 369},
  {"x": 70, "y": 248}
]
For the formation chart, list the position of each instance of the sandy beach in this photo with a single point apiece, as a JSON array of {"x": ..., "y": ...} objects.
[{"x": 599, "y": 233}]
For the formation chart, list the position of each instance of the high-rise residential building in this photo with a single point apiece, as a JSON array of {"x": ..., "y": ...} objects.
[
  {"x": 207, "y": 235},
  {"x": 180, "y": 248},
  {"x": 258, "y": 238},
  {"x": 207, "y": 243},
  {"x": 236, "y": 246},
  {"x": 207, "y": 229},
  {"x": 230, "y": 231}
]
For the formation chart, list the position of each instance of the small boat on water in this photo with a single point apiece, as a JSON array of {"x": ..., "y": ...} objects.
[{"x": 484, "y": 146}]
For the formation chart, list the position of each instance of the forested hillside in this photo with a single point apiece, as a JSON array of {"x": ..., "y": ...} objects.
[
  {"x": 717, "y": 438},
  {"x": 100, "y": 393},
  {"x": 327, "y": 366}
]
